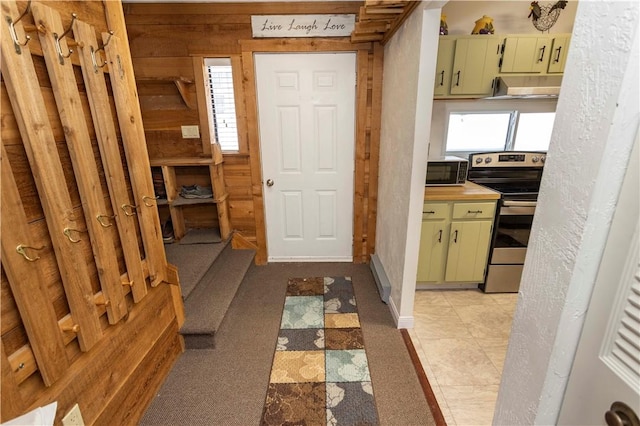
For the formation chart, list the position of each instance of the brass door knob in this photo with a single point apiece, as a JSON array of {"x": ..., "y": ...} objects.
[
  {"x": 620, "y": 414},
  {"x": 269, "y": 182}
]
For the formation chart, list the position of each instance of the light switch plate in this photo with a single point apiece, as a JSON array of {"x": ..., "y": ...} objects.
[
  {"x": 73, "y": 417},
  {"x": 190, "y": 132}
]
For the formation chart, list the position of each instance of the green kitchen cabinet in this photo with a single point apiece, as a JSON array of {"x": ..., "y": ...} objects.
[
  {"x": 468, "y": 250},
  {"x": 526, "y": 54},
  {"x": 455, "y": 240},
  {"x": 559, "y": 50},
  {"x": 444, "y": 65},
  {"x": 475, "y": 65},
  {"x": 434, "y": 239}
]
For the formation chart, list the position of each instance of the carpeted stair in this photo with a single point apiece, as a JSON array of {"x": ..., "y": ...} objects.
[{"x": 210, "y": 275}]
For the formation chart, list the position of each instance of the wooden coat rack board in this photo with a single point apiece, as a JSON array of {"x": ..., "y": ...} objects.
[{"x": 118, "y": 228}]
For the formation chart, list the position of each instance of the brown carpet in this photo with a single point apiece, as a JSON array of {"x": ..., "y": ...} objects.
[{"x": 228, "y": 385}]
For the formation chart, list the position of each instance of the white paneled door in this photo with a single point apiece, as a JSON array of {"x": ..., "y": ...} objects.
[{"x": 306, "y": 109}]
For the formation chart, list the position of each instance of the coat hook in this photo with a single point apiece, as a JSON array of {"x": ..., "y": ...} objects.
[
  {"x": 94, "y": 51},
  {"x": 21, "y": 249},
  {"x": 57, "y": 38},
  {"x": 67, "y": 232},
  {"x": 128, "y": 209},
  {"x": 146, "y": 197},
  {"x": 12, "y": 30},
  {"x": 102, "y": 219}
]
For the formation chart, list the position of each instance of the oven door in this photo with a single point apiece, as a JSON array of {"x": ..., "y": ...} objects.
[{"x": 513, "y": 227}]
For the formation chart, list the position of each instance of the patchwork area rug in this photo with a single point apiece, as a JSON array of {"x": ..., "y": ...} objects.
[{"x": 320, "y": 374}]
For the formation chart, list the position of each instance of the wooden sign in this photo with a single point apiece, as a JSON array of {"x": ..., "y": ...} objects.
[{"x": 302, "y": 25}]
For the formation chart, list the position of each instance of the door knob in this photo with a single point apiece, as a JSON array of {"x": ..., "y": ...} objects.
[
  {"x": 269, "y": 182},
  {"x": 620, "y": 414}
]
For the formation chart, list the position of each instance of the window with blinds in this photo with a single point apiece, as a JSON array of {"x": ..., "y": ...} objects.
[{"x": 222, "y": 105}]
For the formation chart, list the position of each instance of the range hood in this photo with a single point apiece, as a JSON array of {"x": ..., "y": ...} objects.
[{"x": 526, "y": 87}]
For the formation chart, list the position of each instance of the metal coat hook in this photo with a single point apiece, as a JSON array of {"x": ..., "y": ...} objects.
[
  {"x": 103, "y": 220},
  {"x": 128, "y": 209},
  {"x": 12, "y": 29},
  {"x": 146, "y": 197},
  {"x": 21, "y": 250},
  {"x": 57, "y": 38},
  {"x": 94, "y": 51},
  {"x": 67, "y": 232}
]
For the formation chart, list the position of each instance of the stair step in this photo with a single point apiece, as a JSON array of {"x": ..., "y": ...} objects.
[
  {"x": 208, "y": 303},
  {"x": 193, "y": 261}
]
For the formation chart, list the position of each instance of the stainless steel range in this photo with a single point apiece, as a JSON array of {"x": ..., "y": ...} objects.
[{"x": 516, "y": 175}]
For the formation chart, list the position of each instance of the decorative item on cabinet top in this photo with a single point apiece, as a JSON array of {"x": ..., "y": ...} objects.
[
  {"x": 444, "y": 28},
  {"x": 484, "y": 25},
  {"x": 545, "y": 16}
]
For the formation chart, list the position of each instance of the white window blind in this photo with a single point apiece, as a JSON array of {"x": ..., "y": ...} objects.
[{"x": 222, "y": 105}]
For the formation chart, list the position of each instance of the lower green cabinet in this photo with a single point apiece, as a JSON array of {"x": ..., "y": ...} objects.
[{"x": 455, "y": 240}]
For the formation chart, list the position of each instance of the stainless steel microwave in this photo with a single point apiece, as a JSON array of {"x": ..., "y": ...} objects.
[{"x": 444, "y": 171}]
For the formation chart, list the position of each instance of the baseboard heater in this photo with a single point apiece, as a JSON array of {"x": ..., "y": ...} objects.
[{"x": 380, "y": 276}]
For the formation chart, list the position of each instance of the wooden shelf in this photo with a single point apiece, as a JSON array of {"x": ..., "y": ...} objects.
[
  {"x": 181, "y": 201},
  {"x": 182, "y": 161},
  {"x": 162, "y": 202}
]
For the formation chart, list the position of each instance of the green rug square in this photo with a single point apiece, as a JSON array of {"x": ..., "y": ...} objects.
[{"x": 347, "y": 366}]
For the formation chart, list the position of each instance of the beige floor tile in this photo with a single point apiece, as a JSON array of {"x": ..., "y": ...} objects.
[
  {"x": 430, "y": 298},
  {"x": 485, "y": 321},
  {"x": 510, "y": 309},
  {"x": 504, "y": 298},
  {"x": 471, "y": 405},
  {"x": 496, "y": 350},
  {"x": 442, "y": 403},
  {"x": 459, "y": 362},
  {"x": 468, "y": 297},
  {"x": 436, "y": 322}
]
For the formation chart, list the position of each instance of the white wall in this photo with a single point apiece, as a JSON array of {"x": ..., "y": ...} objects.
[
  {"x": 409, "y": 71},
  {"x": 509, "y": 17},
  {"x": 597, "y": 117}
]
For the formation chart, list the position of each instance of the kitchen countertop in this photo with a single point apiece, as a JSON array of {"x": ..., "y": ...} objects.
[{"x": 469, "y": 191}]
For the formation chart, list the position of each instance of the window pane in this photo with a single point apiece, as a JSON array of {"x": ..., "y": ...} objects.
[
  {"x": 476, "y": 132},
  {"x": 222, "y": 106},
  {"x": 534, "y": 131}
]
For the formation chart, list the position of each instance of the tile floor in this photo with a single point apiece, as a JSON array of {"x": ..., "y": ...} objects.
[{"x": 461, "y": 338}]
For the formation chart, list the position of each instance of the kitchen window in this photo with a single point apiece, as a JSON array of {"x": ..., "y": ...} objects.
[
  {"x": 221, "y": 102},
  {"x": 527, "y": 128}
]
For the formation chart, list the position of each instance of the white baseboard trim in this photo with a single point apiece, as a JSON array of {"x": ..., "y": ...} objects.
[
  {"x": 406, "y": 321},
  {"x": 382, "y": 281}
]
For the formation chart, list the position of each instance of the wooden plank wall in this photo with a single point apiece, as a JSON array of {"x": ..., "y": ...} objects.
[
  {"x": 165, "y": 39},
  {"x": 138, "y": 348}
]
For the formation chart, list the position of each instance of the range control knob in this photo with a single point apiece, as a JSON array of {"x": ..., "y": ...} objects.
[
  {"x": 535, "y": 159},
  {"x": 543, "y": 159},
  {"x": 478, "y": 160},
  {"x": 487, "y": 160}
]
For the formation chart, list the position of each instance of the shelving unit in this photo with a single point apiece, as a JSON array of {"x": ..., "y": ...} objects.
[{"x": 178, "y": 204}]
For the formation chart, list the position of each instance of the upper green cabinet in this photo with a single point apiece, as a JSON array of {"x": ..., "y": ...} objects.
[
  {"x": 525, "y": 54},
  {"x": 559, "y": 49},
  {"x": 467, "y": 65},
  {"x": 444, "y": 64},
  {"x": 475, "y": 64}
]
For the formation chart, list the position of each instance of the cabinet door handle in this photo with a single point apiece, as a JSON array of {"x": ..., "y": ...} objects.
[
  {"x": 455, "y": 236},
  {"x": 442, "y": 78},
  {"x": 474, "y": 211},
  {"x": 440, "y": 236},
  {"x": 542, "y": 49},
  {"x": 557, "y": 59},
  {"x": 430, "y": 212},
  {"x": 458, "y": 78}
]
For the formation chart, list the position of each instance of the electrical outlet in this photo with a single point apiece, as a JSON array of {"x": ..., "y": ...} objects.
[
  {"x": 73, "y": 417},
  {"x": 190, "y": 132}
]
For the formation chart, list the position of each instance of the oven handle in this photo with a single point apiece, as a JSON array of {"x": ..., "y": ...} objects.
[
  {"x": 518, "y": 208},
  {"x": 519, "y": 203}
]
